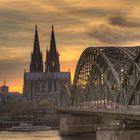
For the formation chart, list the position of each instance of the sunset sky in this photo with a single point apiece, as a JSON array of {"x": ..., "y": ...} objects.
[{"x": 77, "y": 23}]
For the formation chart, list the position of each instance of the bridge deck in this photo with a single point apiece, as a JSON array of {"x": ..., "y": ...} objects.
[{"x": 132, "y": 113}]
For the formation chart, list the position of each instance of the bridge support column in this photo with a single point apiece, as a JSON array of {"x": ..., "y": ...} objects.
[
  {"x": 118, "y": 135},
  {"x": 76, "y": 124}
]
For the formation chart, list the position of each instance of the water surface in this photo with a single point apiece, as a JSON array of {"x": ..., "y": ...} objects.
[{"x": 42, "y": 135}]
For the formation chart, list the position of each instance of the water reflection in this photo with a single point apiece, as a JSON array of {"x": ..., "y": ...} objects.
[
  {"x": 79, "y": 137},
  {"x": 42, "y": 135}
]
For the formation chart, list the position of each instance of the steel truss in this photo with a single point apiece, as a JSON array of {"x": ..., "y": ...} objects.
[{"x": 107, "y": 74}]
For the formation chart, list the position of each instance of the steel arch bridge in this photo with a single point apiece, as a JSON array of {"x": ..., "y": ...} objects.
[{"x": 107, "y": 75}]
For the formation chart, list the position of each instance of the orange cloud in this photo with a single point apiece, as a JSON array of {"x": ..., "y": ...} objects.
[{"x": 78, "y": 24}]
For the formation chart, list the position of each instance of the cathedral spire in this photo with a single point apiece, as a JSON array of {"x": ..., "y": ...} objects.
[
  {"x": 36, "y": 56},
  {"x": 52, "y": 43},
  {"x": 36, "y": 42},
  {"x": 52, "y": 56},
  {"x": 47, "y": 64}
]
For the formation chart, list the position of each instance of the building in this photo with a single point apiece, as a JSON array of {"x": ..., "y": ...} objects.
[
  {"x": 40, "y": 84},
  {"x": 6, "y": 96},
  {"x": 4, "y": 89}
]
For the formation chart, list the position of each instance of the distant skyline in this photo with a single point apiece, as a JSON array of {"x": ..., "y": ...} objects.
[{"x": 78, "y": 24}]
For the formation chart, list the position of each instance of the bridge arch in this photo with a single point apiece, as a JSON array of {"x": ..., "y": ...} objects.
[
  {"x": 110, "y": 64},
  {"x": 65, "y": 96},
  {"x": 131, "y": 84}
]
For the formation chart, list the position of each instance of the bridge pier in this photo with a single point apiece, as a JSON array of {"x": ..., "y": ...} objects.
[
  {"x": 118, "y": 135},
  {"x": 72, "y": 124},
  {"x": 117, "y": 129}
]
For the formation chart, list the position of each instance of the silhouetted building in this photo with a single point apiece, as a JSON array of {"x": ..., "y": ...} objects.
[
  {"x": 11, "y": 97},
  {"x": 48, "y": 85},
  {"x": 36, "y": 64},
  {"x": 4, "y": 89},
  {"x": 6, "y": 96},
  {"x": 52, "y": 56}
]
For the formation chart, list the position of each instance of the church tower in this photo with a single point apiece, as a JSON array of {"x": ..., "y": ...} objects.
[
  {"x": 52, "y": 56},
  {"x": 36, "y": 64}
]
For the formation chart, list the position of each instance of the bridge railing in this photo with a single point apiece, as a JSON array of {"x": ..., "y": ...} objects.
[{"x": 122, "y": 110}]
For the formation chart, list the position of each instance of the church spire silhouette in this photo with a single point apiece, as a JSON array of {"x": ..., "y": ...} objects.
[
  {"x": 52, "y": 43},
  {"x": 36, "y": 64},
  {"x": 52, "y": 56}
]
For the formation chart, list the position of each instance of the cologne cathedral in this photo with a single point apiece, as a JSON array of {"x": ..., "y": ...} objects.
[{"x": 45, "y": 83}]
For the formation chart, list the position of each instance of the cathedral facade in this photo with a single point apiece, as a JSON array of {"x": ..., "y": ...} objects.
[{"x": 45, "y": 83}]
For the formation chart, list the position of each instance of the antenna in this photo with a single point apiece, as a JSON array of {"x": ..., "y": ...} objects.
[{"x": 4, "y": 82}]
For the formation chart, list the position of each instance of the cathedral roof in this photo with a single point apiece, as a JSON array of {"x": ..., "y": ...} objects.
[{"x": 34, "y": 76}]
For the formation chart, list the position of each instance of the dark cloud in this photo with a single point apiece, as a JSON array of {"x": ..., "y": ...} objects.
[
  {"x": 71, "y": 20},
  {"x": 12, "y": 69},
  {"x": 110, "y": 35},
  {"x": 95, "y": 12},
  {"x": 131, "y": 2},
  {"x": 123, "y": 22},
  {"x": 17, "y": 25}
]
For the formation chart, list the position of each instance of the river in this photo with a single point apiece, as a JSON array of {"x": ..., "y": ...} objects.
[{"x": 42, "y": 135}]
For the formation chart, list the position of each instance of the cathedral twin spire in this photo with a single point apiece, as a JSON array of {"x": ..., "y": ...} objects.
[
  {"x": 52, "y": 56},
  {"x": 36, "y": 64}
]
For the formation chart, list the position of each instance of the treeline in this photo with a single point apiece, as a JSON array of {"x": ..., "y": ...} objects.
[{"x": 17, "y": 111}]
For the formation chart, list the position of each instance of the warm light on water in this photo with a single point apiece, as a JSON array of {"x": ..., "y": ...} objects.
[{"x": 41, "y": 135}]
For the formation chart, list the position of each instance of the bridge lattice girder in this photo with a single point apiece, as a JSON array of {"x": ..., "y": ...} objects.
[
  {"x": 106, "y": 74},
  {"x": 65, "y": 96}
]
